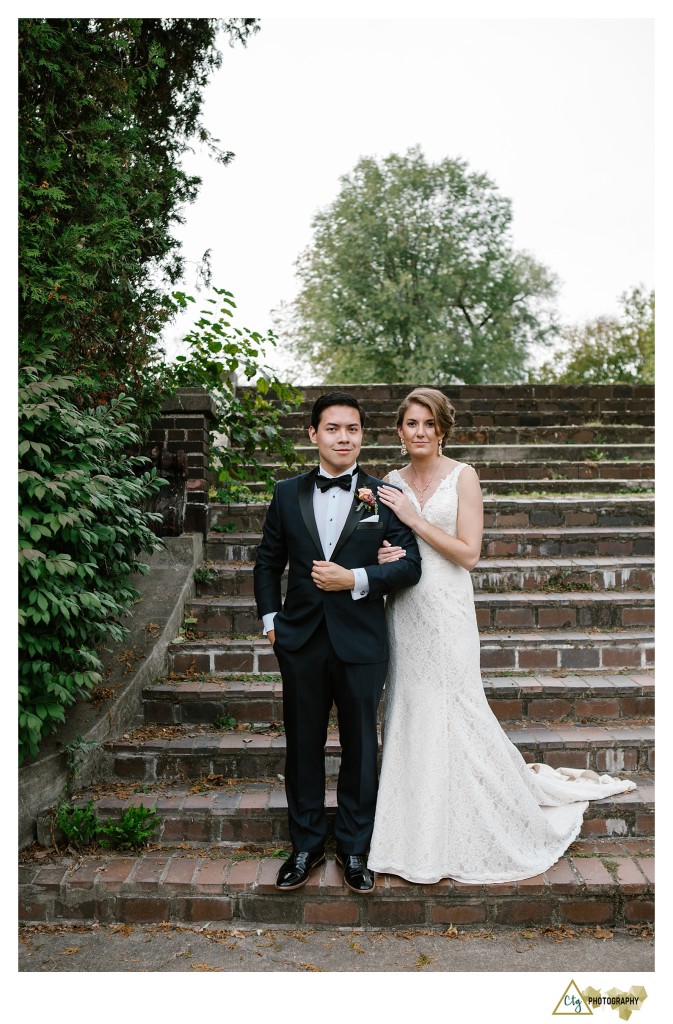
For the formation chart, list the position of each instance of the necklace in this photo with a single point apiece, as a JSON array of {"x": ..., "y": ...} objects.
[{"x": 422, "y": 492}]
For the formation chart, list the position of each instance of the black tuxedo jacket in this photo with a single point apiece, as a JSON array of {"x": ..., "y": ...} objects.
[{"x": 357, "y": 629}]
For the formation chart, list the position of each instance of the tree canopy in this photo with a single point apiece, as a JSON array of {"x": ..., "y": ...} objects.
[
  {"x": 608, "y": 349},
  {"x": 412, "y": 275},
  {"x": 107, "y": 108}
]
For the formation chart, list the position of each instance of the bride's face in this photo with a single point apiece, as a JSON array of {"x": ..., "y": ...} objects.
[{"x": 418, "y": 430}]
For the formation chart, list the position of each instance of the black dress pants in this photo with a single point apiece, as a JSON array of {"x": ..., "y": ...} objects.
[{"x": 314, "y": 678}]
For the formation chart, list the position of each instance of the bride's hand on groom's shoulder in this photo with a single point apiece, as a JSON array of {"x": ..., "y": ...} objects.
[
  {"x": 390, "y": 553},
  {"x": 398, "y": 502}
]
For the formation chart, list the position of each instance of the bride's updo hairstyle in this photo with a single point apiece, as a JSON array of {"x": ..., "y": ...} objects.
[{"x": 442, "y": 411}]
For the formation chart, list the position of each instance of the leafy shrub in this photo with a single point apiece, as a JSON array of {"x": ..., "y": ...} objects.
[
  {"x": 81, "y": 827},
  {"x": 220, "y": 356},
  {"x": 225, "y": 722},
  {"x": 205, "y": 573},
  {"x": 79, "y": 824},
  {"x": 231, "y": 492},
  {"x": 75, "y": 756},
  {"x": 81, "y": 528},
  {"x": 136, "y": 827},
  {"x": 224, "y": 528}
]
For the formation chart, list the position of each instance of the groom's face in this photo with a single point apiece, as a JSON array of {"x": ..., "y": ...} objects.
[{"x": 338, "y": 438}]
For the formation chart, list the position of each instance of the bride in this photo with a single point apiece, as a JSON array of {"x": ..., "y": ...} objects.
[{"x": 456, "y": 798}]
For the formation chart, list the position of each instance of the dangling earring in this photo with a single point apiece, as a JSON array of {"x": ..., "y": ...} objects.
[
  {"x": 403, "y": 447},
  {"x": 439, "y": 446}
]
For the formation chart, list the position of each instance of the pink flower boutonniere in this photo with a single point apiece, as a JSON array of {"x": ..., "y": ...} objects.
[{"x": 367, "y": 501}]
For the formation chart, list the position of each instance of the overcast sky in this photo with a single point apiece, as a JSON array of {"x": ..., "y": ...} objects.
[{"x": 558, "y": 113}]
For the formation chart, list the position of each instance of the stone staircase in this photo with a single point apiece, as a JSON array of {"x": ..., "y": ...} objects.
[{"x": 565, "y": 606}]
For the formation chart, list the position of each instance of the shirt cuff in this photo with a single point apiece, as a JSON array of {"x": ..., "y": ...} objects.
[
  {"x": 361, "y": 588},
  {"x": 267, "y": 621}
]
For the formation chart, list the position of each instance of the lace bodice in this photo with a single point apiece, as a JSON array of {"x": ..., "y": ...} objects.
[{"x": 441, "y": 509}]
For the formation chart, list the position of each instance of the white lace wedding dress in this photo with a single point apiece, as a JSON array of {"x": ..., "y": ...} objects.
[{"x": 456, "y": 798}]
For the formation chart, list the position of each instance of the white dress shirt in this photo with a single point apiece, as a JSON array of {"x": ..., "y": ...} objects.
[{"x": 331, "y": 509}]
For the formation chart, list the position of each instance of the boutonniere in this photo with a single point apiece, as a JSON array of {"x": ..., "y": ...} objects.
[{"x": 367, "y": 501}]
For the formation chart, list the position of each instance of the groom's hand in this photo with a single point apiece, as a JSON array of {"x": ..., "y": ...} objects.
[{"x": 330, "y": 576}]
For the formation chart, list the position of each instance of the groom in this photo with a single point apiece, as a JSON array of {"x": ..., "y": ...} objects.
[{"x": 330, "y": 636}]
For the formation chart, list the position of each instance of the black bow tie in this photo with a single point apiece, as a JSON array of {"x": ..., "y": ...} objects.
[{"x": 325, "y": 482}]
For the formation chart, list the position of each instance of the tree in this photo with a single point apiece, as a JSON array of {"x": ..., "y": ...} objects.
[
  {"x": 411, "y": 275},
  {"x": 108, "y": 107},
  {"x": 607, "y": 350}
]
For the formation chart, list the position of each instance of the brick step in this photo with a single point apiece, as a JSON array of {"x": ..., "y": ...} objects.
[
  {"x": 552, "y": 542},
  {"x": 569, "y": 510},
  {"x": 540, "y": 471},
  {"x": 583, "y": 699},
  {"x": 508, "y": 542},
  {"x": 191, "y": 752},
  {"x": 617, "y": 487},
  {"x": 389, "y": 455},
  {"x": 558, "y": 574},
  {"x": 524, "y": 512},
  {"x": 491, "y": 574},
  {"x": 569, "y": 469},
  {"x": 597, "y": 486},
  {"x": 567, "y": 650},
  {"x": 380, "y": 429},
  {"x": 486, "y": 393},
  {"x": 585, "y": 401},
  {"x": 608, "y": 882},
  {"x": 218, "y": 813},
  {"x": 514, "y": 415},
  {"x": 510, "y": 651},
  {"x": 610, "y": 610}
]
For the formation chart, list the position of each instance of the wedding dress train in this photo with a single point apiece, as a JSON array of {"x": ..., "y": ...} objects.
[{"x": 456, "y": 798}]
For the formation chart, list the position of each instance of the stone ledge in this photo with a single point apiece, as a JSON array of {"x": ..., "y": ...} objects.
[{"x": 190, "y": 400}]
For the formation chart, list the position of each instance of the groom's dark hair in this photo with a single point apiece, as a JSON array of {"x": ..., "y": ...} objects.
[{"x": 334, "y": 398}]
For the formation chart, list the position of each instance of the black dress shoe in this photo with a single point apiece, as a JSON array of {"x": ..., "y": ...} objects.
[
  {"x": 296, "y": 869},
  {"x": 357, "y": 875}
]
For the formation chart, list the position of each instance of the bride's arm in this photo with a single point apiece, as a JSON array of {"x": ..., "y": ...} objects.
[{"x": 463, "y": 549}]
